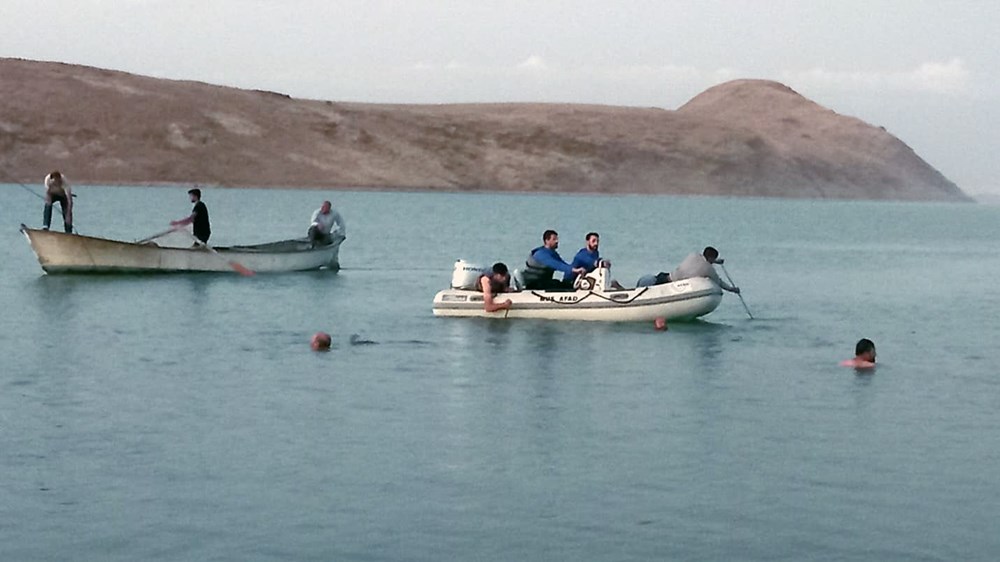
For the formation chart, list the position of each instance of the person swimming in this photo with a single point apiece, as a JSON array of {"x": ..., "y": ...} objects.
[
  {"x": 864, "y": 355},
  {"x": 320, "y": 341}
]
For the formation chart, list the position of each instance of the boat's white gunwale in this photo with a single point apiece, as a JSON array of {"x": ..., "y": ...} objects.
[
  {"x": 682, "y": 300},
  {"x": 549, "y": 303}
]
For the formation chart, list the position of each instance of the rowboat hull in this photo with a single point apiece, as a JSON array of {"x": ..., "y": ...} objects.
[
  {"x": 58, "y": 252},
  {"x": 681, "y": 300}
]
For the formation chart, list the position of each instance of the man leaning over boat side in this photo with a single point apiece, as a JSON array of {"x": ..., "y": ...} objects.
[
  {"x": 700, "y": 265},
  {"x": 544, "y": 261},
  {"x": 326, "y": 224},
  {"x": 57, "y": 190},
  {"x": 198, "y": 218},
  {"x": 493, "y": 283}
]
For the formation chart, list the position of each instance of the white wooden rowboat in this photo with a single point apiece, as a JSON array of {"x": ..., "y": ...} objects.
[{"x": 58, "y": 252}]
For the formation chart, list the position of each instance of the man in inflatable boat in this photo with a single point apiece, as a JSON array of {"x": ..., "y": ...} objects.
[
  {"x": 589, "y": 258},
  {"x": 695, "y": 265},
  {"x": 491, "y": 284},
  {"x": 544, "y": 261}
]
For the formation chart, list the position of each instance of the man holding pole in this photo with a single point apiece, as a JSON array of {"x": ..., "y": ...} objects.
[
  {"x": 701, "y": 265},
  {"x": 198, "y": 217}
]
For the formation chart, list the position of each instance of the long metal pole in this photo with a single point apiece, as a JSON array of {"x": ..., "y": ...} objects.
[{"x": 745, "y": 307}]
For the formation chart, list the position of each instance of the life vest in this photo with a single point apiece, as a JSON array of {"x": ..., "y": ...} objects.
[
  {"x": 535, "y": 272},
  {"x": 496, "y": 287}
]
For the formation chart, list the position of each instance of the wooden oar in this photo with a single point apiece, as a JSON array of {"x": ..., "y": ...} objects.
[
  {"x": 157, "y": 235},
  {"x": 237, "y": 266}
]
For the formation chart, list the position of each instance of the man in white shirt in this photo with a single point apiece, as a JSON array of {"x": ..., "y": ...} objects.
[
  {"x": 326, "y": 224},
  {"x": 700, "y": 265},
  {"x": 57, "y": 190}
]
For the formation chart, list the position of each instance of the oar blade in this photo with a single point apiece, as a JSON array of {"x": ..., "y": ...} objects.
[
  {"x": 242, "y": 269},
  {"x": 237, "y": 266}
]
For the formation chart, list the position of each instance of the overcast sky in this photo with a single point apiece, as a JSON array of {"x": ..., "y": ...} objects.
[{"x": 927, "y": 71}]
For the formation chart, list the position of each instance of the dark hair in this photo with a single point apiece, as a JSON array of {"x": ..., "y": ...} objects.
[
  {"x": 710, "y": 253},
  {"x": 56, "y": 175},
  {"x": 196, "y": 192},
  {"x": 589, "y": 234},
  {"x": 548, "y": 234},
  {"x": 864, "y": 346},
  {"x": 497, "y": 287}
]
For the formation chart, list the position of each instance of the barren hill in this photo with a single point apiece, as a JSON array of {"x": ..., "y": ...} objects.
[{"x": 746, "y": 137}]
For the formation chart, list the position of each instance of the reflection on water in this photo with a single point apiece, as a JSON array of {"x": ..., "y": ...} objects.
[
  {"x": 53, "y": 295},
  {"x": 47, "y": 319},
  {"x": 708, "y": 343},
  {"x": 497, "y": 333},
  {"x": 863, "y": 377},
  {"x": 543, "y": 349},
  {"x": 705, "y": 343}
]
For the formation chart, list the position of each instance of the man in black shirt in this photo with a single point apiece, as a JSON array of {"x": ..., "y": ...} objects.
[{"x": 198, "y": 218}]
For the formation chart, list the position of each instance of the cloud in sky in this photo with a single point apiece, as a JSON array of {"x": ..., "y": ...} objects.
[
  {"x": 534, "y": 62},
  {"x": 948, "y": 78},
  {"x": 597, "y": 74}
]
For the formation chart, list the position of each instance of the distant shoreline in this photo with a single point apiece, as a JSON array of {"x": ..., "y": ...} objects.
[{"x": 485, "y": 191}]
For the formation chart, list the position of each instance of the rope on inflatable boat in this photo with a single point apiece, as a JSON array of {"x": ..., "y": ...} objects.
[{"x": 545, "y": 298}]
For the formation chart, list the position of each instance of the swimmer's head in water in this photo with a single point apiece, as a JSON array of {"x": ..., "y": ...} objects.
[
  {"x": 865, "y": 349},
  {"x": 320, "y": 341}
]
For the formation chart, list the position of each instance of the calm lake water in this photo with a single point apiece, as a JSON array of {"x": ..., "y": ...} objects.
[{"x": 185, "y": 418}]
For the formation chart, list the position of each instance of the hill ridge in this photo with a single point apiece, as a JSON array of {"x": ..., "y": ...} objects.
[{"x": 741, "y": 138}]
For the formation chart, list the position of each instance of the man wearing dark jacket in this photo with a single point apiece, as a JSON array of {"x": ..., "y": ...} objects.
[{"x": 545, "y": 261}]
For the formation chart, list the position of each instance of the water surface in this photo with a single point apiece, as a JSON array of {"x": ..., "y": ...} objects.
[{"x": 184, "y": 417}]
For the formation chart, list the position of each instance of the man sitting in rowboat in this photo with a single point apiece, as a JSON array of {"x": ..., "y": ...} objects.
[{"x": 325, "y": 225}]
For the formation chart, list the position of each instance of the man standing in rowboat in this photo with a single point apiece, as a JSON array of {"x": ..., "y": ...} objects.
[
  {"x": 198, "y": 217},
  {"x": 58, "y": 190}
]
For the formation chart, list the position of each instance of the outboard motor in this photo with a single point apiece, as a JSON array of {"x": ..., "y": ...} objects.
[
  {"x": 596, "y": 280},
  {"x": 466, "y": 275}
]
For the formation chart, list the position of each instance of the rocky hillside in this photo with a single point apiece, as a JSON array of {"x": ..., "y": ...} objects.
[{"x": 747, "y": 137}]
